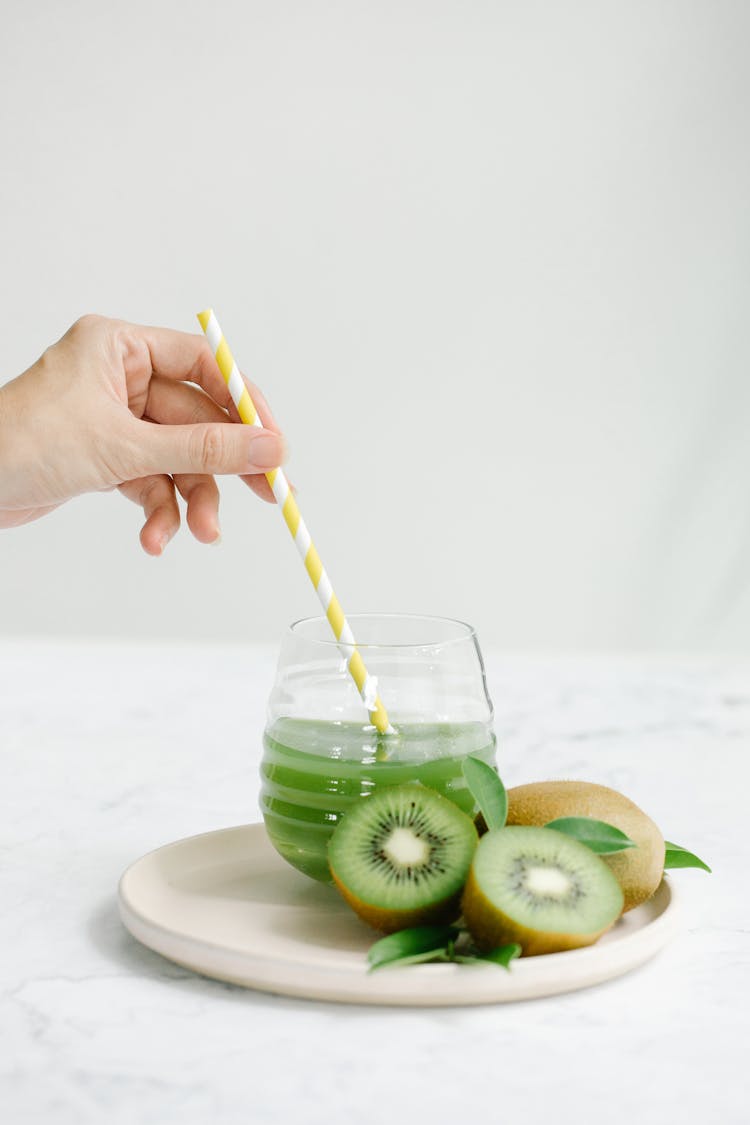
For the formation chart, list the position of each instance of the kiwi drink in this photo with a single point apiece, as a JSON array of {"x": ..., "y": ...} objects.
[{"x": 313, "y": 771}]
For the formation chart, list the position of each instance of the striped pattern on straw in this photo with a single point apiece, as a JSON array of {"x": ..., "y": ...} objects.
[{"x": 366, "y": 684}]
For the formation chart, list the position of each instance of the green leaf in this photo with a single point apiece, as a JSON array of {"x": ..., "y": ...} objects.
[
  {"x": 487, "y": 790},
  {"x": 680, "y": 857},
  {"x": 503, "y": 955},
  {"x": 420, "y": 943},
  {"x": 604, "y": 839}
]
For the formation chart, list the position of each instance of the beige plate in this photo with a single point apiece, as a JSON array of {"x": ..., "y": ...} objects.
[{"x": 226, "y": 905}]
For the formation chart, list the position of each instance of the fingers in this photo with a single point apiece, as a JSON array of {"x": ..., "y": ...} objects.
[
  {"x": 176, "y": 404},
  {"x": 218, "y": 449},
  {"x": 202, "y": 498},
  {"x": 208, "y": 447},
  {"x": 156, "y": 496},
  {"x": 185, "y": 357},
  {"x": 260, "y": 486},
  {"x": 177, "y": 410},
  {"x": 179, "y": 403}
]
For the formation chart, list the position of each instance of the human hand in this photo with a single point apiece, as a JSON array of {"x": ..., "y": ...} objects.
[{"x": 146, "y": 410}]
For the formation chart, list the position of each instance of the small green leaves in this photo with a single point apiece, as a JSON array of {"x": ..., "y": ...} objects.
[
  {"x": 604, "y": 839},
  {"x": 487, "y": 790},
  {"x": 503, "y": 955},
  {"x": 680, "y": 857},
  {"x": 420, "y": 943}
]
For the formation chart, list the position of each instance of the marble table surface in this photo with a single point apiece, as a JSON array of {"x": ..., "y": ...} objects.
[{"x": 109, "y": 750}]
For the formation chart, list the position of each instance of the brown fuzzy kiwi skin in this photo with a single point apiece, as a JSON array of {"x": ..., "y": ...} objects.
[
  {"x": 388, "y": 921},
  {"x": 491, "y": 928},
  {"x": 638, "y": 870}
]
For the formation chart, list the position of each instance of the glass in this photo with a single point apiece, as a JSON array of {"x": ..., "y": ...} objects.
[{"x": 321, "y": 753}]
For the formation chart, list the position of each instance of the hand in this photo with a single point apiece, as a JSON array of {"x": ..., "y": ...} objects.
[{"x": 145, "y": 410}]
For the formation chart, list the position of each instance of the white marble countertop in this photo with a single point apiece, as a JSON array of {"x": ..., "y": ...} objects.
[{"x": 109, "y": 750}]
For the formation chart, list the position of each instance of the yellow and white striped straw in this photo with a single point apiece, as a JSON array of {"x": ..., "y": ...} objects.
[{"x": 366, "y": 684}]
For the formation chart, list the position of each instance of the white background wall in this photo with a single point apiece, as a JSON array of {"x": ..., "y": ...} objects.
[{"x": 490, "y": 262}]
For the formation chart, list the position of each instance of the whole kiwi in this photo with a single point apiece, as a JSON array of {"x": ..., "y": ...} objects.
[{"x": 638, "y": 870}]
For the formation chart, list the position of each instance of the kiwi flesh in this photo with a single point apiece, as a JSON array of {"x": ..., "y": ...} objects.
[
  {"x": 638, "y": 870},
  {"x": 540, "y": 888},
  {"x": 401, "y": 856}
]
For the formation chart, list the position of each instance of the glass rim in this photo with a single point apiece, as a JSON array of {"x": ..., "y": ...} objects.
[{"x": 468, "y": 633}]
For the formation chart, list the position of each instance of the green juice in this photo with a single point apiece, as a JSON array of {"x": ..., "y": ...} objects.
[{"x": 313, "y": 771}]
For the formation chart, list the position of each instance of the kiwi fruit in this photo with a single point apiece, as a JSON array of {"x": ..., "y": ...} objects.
[
  {"x": 540, "y": 888},
  {"x": 401, "y": 856},
  {"x": 638, "y": 870}
]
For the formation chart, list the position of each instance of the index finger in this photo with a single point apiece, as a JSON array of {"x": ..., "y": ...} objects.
[{"x": 187, "y": 357}]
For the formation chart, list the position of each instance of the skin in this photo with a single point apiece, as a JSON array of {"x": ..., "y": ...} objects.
[{"x": 143, "y": 410}]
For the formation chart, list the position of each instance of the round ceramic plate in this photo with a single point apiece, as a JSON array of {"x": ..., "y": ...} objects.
[{"x": 226, "y": 905}]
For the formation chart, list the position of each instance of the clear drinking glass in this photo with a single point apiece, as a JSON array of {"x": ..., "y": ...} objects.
[{"x": 321, "y": 753}]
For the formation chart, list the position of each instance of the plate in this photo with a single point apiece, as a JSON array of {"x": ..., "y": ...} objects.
[{"x": 226, "y": 905}]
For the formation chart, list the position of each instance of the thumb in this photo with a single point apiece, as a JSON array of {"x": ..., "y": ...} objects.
[{"x": 207, "y": 447}]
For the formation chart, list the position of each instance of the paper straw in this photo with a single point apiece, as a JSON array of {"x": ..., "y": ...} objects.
[{"x": 366, "y": 684}]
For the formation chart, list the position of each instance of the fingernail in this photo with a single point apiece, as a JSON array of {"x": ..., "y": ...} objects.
[
  {"x": 267, "y": 451},
  {"x": 163, "y": 541},
  {"x": 215, "y": 542}
]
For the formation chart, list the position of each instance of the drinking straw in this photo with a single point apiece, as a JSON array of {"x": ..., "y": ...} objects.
[{"x": 366, "y": 684}]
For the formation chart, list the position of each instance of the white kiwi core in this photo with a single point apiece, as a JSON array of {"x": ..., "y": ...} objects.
[
  {"x": 406, "y": 849},
  {"x": 547, "y": 881}
]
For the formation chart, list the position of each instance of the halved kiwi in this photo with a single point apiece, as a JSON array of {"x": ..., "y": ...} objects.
[
  {"x": 401, "y": 857},
  {"x": 539, "y": 888}
]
